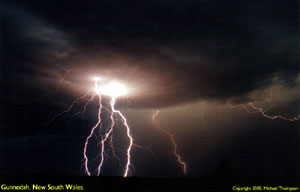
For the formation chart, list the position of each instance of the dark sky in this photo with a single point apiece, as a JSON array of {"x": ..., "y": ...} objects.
[{"x": 186, "y": 58}]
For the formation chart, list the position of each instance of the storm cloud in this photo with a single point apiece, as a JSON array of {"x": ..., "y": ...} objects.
[
  {"x": 167, "y": 53},
  {"x": 194, "y": 61}
]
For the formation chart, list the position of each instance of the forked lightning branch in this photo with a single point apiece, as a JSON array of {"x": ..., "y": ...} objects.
[{"x": 113, "y": 90}]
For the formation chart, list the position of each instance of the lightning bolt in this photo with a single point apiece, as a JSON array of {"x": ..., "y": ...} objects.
[
  {"x": 69, "y": 108},
  {"x": 109, "y": 133},
  {"x": 263, "y": 111},
  {"x": 86, "y": 160},
  {"x": 88, "y": 138},
  {"x": 128, "y": 135},
  {"x": 112, "y": 104},
  {"x": 178, "y": 157},
  {"x": 113, "y": 91},
  {"x": 102, "y": 144}
]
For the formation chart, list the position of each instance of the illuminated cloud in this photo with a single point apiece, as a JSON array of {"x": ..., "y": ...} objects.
[{"x": 163, "y": 62}]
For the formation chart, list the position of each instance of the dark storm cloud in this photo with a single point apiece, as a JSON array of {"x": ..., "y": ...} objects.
[
  {"x": 28, "y": 42},
  {"x": 170, "y": 52}
]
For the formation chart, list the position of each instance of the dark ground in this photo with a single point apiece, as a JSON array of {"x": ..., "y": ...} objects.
[{"x": 217, "y": 183}]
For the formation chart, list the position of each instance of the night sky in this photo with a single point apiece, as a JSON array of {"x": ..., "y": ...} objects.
[{"x": 199, "y": 62}]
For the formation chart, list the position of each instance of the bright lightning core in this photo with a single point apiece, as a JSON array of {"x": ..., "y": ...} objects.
[{"x": 112, "y": 89}]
